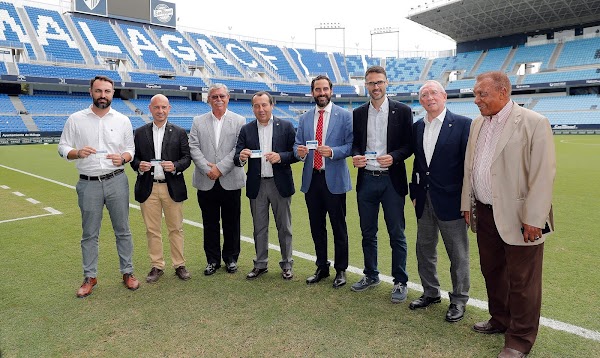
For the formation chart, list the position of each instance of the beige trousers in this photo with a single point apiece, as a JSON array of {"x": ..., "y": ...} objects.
[{"x": 158, "y": 202}]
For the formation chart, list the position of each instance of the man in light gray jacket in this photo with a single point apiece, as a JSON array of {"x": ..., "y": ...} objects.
[{"x": 219, "y": 182}]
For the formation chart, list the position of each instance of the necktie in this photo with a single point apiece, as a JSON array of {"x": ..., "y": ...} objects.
[{"x": 318, "y": 161}]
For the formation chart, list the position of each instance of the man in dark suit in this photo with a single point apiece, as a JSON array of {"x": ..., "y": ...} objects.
[
  {"x": 162, "y": 153},
  {"x": 440, "y": 141},
  {"x": 323, "y": 142},
  {"x": 267, "y": 145},
  {"x": 382, "y": 141}
]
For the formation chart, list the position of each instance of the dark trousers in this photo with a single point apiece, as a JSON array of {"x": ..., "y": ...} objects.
[
  {"x": 320, "y": 202},
  {"x": 513, "y": 279},
  {"x": 218, "y": 203},
  {"x": 377, "y": 191}
]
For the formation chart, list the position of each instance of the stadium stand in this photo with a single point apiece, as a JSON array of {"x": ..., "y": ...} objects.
[
  {"x": 404, "y": 69},
  {"x": 214, "y": 56},
  {"x": 54, "y": 36},
  {"x": 461, "y": 62},
  {"x": 531, "y": 54},
  {"x": 313, "y": 63},
  {"x": 28, "y": 69},
  {"x": 493, "y": 60},
  {"x": 237, "y": 52},
  {"x": 579, "y": 52},
  {"x": 12, "y": 30},
  {"x": 12, "y": 124},
  {"x": 100, "y": 37},
  {"x": 143, "y": 46},
  {"x": 276, "y": 60}
]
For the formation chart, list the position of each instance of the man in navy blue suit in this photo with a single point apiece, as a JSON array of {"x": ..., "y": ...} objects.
[
  {"x": 382, "y": 142},
  {"x": 440, "y": 142},
  {"x": 266, "y": 145},
  {"x": 323, "y": 142}
]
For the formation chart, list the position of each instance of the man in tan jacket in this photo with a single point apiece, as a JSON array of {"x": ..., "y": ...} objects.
[{"x": 509, "y": 173}]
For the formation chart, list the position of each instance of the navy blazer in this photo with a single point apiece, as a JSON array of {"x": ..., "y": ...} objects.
[
  {"x": 399, "y": 141},
  {"x": 444, "y": 176},
  {"x": 282, "y": 143},
  {"x": 175, "y": 148}
]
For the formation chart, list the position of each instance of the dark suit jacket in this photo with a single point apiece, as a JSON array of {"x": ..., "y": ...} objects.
[
  {"x": 175, "y": 148},
  {"x": 283, "y": 143},
  {"x": 444, "y": 176},
  {"x": 399, "y": 141}
]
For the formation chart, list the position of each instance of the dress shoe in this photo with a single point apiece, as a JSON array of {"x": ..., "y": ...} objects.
[
  {"x": 320, "y": 274},
  {"x": 154, "y": 275},
  {"x": 455, "y": 312},
  {"x": 487, "y": 328},
  {"x": 231, "y": 267},
  {"x": 256, "y": 272},
  {"x": 211, "y": 268},
  {"x": 340, "y": 279},
  {"x": 87, "y": 287},
  {"x": 287, "y": 274},
  {"x": 511, "y": 353},
  {"x": 182, "y": 273},
  {"x": 130, "y": 281},
  {"x": 424, "y": 302}
]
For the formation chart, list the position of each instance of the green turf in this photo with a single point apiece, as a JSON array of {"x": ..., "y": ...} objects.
[{"x": 226, "y": 315}]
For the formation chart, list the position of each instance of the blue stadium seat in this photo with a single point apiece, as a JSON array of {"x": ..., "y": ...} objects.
[
  {"x": 532, "y": 54},
  {"x": 100, "y": 37},
  {"x": 145, "y": 48},
  {"x": 64, "y": 72},
  {"x": 214, "y": 56},
  {"x": 243, "y": 57},
  {"x": 274, "y": 56},
  {"x": 493, "y": 60},
  {"x": 404, "y": 69},
  {"x": 12, "y": 124},
  {"x": 579, "y": 52},
  {"x": 312, "y": 63}
]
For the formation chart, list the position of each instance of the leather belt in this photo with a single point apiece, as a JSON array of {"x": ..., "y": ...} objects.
[
  {"x": 102, "y": 177},
  {"x": 376, "y": 173},
  {"x": 265, "y": 178},
  {"x": 318, "y": 171},
  {"x": 160, "y": 181},
  {"x": 488, "y": 206}
]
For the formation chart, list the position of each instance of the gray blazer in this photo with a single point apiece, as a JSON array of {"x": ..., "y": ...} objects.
[{"x": 204, "y": 150}]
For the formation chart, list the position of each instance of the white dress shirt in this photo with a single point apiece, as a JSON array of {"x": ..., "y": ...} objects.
[
  {"x": 217, "y": 125},
  {"x": 110, "y": 134},
  {"x": 377, "y": 126},
  {"x": 431, "y": 134},
  {"x": 265, "y": 138},
  {"x": 158, "y": 134}
]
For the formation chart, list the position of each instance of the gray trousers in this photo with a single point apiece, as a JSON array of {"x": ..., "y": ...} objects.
[
  {"x": 92, "y": 196},
  {"x": 269, "y": 195},
  {"x": 454, "y": 235}
]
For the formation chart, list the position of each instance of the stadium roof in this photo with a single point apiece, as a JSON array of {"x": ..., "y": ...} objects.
[{"x": 469, "y": 20}]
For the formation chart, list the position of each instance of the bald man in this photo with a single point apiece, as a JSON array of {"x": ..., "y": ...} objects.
[{"x": 162, "y": 154}]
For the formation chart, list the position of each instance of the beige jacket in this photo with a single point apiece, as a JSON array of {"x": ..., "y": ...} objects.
[{"x": 523, "y": 170}]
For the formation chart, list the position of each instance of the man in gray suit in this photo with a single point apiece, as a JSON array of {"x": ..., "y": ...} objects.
[{"x": 219, "y": 182}]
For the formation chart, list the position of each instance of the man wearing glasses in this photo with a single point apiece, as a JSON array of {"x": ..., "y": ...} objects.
[
  {"x": 219, "y": 182},
  {"x": 382, "y": 141}
]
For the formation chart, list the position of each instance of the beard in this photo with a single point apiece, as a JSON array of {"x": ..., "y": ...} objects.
[
  {"x": 322, "y": 101},
  {"x": 102, "y": 105}
]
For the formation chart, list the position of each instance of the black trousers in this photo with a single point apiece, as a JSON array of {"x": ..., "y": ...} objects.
[
  {"x": 320, "y": 202},
  {"x": 219, "y": 204}
]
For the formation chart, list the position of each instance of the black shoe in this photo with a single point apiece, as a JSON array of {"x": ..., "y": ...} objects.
[
  {"x": 455, "y": 312},
  {"x": 320, "y": 274},
  {"x": 423, "y": 302},
  {"x": 231, "y": 267},
  {"x": 182, "y": 273},
  {"x": 287, "y": 274},
  {"x": 256, "y": 272},
  {"x": 154, "y": 275},
  {"x": 340, "y": 279},
  {"x": 211, "y": 268}
]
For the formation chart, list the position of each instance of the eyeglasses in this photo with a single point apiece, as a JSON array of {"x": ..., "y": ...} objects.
[
  {"x": 217, "y": 96},
  {"x": 429, "y": 93},
  {"x": 373, "y": 84}
]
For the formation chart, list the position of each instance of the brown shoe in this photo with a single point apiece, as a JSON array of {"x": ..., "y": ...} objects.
[
  {"x": 511, "y": 353},
  {"x": 130, "y": 281},
  {"x": 487, "y": 328},
  {"x": 87, "y": 287},
  {"x": 182, "y": 273},
  {"x": 154, "y": 275}
]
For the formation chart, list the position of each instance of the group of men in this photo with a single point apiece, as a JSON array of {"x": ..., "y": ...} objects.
[{"x": 494, "y": 174}]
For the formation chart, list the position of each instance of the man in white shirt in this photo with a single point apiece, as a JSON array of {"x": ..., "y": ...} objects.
[
  {"x": 100, "y": 139},
  {"x": 162, "y": 153},
  {"x": 439, "y": 142}
]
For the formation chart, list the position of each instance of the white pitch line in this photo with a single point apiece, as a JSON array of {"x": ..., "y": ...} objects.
[
  {"x": 29, "y": 217},
  {"x": 17, "y": 193},
  {"x": 32, "y": 200},
  {"x": 548, "y": 322},
  {"x": 4, "y": 187}
]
